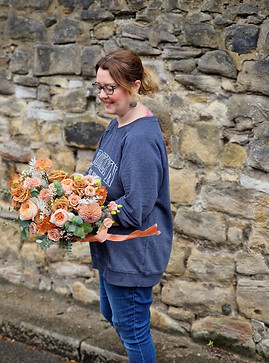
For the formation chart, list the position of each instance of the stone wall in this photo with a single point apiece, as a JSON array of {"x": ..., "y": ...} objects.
[{"x": 212, "y": 59}]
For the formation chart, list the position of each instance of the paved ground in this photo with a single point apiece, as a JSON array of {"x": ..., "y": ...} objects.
[{"x": 49, "y": 322}]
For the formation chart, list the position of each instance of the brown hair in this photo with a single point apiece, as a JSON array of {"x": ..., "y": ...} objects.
[{"x": 125, "y": 67}]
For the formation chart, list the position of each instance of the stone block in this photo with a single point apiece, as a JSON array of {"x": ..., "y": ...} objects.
[
  {"x": 259, "y": 239},
  {"x": 198, "y": 297},
  {"x": 182, "y": 186},
  {"x": 24, "y": 4},
  {"x": 205, "y": 225},
  {"x": 66, "y": 31},
  {"x": 257, "y": 306},
  {"x": 82, "y": 294},
  {"x": 73, "y": 101},
  {"x": 258, "y": 82},
  {"x": 233, "y": 155},
  {"x": 12, "y": 107},
  {"x": 83, "y": 132},
  {"x": 10, "y": 240},
  {"x": 201, "y": 35},
  {"x": 177, "y": 261},
  {"x": 57, "y": 59},
  {"x": 251, "y": 264},
  {"x": 210, "y": 267},
  {"x": 69, "y": 270},
  {"x": 217, "y": 62},
  {"x": 90, "y": 55},
  {"x": 241, "y": 39},
  {"x": 200, "y": 143},
  {"x": 22, "y": 28},
  {"x": 226, "y": 332}
]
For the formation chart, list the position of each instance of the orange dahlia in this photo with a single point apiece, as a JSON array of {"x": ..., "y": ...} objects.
[
  {"x": 90, "y": 212},
  {"x": 101, "y": 195},
  {"x": 43, "y": 165},
  {"x": 45, "y": 225}
]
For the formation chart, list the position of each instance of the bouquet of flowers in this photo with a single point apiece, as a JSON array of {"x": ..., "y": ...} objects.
[{"x": 58, "y": 208}]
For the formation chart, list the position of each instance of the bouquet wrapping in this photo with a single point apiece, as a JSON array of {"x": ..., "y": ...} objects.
[{"x": 63, "y": 209}]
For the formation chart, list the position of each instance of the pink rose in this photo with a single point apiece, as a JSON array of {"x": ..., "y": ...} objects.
[
  {"x": 108, "y": 222},
  {"x": 27, "y": 183},
  {"x": 33, "y": 228},
  {"x": 59, "y": 217},
  {"x": 35, "y": 182},
  {"x": 112, "y": 205},
  {"x": 54, "y": 234},
  {"x": 67, "y": 185},
  {"x": 28, "y": 210},
  {"x": 90, "y": 179},
  {"x": 74, "y": 200},
  {"x": 44, "y": 194},
  {"x": 89, "y": 191}
]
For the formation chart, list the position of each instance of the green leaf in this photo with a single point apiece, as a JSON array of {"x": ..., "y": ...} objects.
[
  {"x": 24, "y": 224},
  {"x": 78, "y": 220},
  {"x": 58, "y": 187},
  {"x": 80, "y": 232},
  {"x": 70, "y": 227},
  {"x": 87, "y": 227},
  {"x": 24, "y": 233}
]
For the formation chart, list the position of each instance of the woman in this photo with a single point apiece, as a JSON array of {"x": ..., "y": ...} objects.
[{"x": 131, "y": 162}]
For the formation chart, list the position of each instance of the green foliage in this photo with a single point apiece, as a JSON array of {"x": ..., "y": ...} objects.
[
  {"x": 58, "y": 187},
  {"x": 24, "y": 228}
]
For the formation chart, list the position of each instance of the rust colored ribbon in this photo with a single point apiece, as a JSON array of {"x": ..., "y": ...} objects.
[{"x": 103, "y": 235}]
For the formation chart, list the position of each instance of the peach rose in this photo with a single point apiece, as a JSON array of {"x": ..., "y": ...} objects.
[
  {"x": 43, "y": 165},
  {"x": 28, "y": 210},
  {"x": 67, "y": 185},
  {"x": 54, "y": 234},
  {"x": 60, "y": 203},
  {"x": 60, "y": 217},
  {"x": 74, "y": 200},
  {"x": 44, "y": 194}
]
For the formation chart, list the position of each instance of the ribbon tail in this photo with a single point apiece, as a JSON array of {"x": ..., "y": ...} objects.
[{"x": 153, "y": 230}]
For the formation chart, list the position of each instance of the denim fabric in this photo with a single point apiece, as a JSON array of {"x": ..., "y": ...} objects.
[{"x": 128, "y": 311}]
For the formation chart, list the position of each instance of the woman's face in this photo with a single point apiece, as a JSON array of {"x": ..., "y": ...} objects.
[{"x": 118, "y": 102}]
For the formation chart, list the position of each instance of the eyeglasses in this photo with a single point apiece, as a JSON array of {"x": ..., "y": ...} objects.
[{"x": 108, "y": 89}]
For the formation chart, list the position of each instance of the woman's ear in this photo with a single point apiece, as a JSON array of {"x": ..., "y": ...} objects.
[{"x": 136, "y": 86}]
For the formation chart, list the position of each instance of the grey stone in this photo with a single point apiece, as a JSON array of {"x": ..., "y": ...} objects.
[
  {"x": 257, "y": 307},
  {"x": 251, "y": 264},
  {"x": 15, "y": 152},
  {"x": 241, "y": 39},
  {"x": 12, "y": 107},
  {"x": 258, "y": 82},
  {"x": 258, "y": 153},
  {"x": 135, "y": 31},
  {"x": 70, "y": 101},
  {"x": 202, "y": 82},
  {"x": 263, "y": 45},
  {"x": 67, "y": 31},
  {"x": 37, "y": 4},
  {"x": 201, "y": 35},
  {"x": 95, "y": 15},
  {"x": 89, "y": 57},
  {"x": 68, "y": 4},
  {"x": 27, "y": 81},
  {"x": 83, "y": 133},
  {"x": 244, "y": 10},
  {"x": 6, "y": 86},
  {"x": 183, "y": 65},
  {"x": 50, "y": 21},
  {"x": 222, "y": 21},
  {"x": 232, "y": 200},
  {"x": 217, "y": 62},
  {"x": 20, "y": 61},
  {"x": 180, "y": 52},
  {"x": 263, "y": 348},
  {"x": 19, "y": 27},
  {"x": 85, "y": 3},
  {"x": 43, "y": 93},
  {"x": 203, "y": 225},
  {"x": 141, "y": 48},
  {"x": 58, "y": 59},
  {"x": 162, "y": 32}
]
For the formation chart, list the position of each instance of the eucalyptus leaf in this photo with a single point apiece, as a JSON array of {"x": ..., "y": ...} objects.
[{"x": 80, "y": 232}]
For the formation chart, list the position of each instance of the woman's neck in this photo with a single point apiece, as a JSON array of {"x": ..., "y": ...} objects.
[{"x": 132, "y": 114}]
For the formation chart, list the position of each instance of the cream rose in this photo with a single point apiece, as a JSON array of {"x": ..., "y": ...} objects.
[
  {"x": 67, "y": 185},
  {"x": 28, "y": 210},
  {"x": 60, "y": 217}
]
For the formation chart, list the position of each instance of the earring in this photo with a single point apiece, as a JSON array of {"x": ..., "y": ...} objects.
[{"x": 133, "y": 104}]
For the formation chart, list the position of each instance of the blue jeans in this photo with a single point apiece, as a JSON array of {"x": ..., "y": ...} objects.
[{"x": 128, "y": 311}]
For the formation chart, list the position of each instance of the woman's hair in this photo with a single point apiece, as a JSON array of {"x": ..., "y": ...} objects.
[{"x": 125, "y": 67}]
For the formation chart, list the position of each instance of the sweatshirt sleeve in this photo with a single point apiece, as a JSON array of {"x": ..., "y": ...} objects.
[{"x": 141, "y": 174}]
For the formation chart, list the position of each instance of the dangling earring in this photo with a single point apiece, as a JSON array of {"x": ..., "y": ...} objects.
[{"x": 133, "y": 104}]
